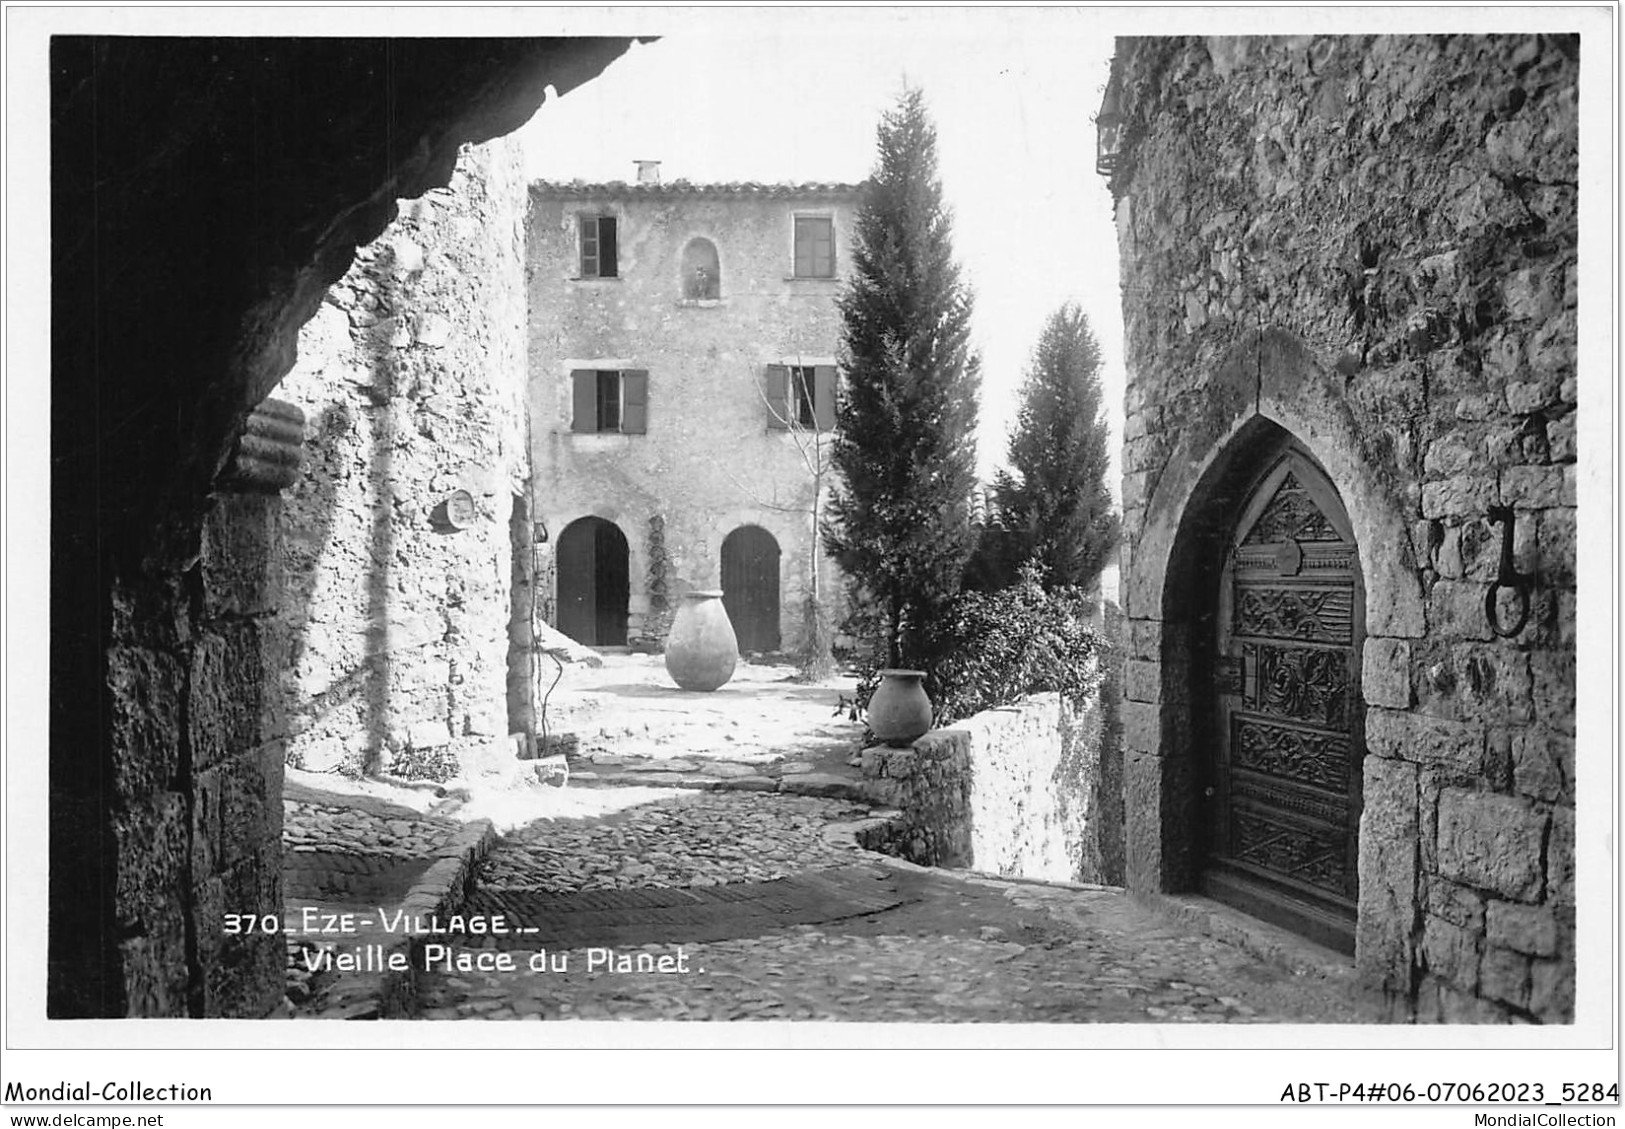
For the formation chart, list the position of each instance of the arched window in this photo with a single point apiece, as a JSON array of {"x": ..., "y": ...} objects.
[{"x": 702, "y": 274}]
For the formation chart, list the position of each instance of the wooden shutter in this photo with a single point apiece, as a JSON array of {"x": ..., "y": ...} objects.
[
  {"x": 804, "y": 248},
  {"x": 607, "y": 246},
  {"x": 635, "y": 401},
  {"x": 777, "y": 389},
  {"x": 584, "y": 396},
  {"x": 823, "y": 248},
  {"x": 589, "y": 247},
  {"x": 824, "y": 397}
]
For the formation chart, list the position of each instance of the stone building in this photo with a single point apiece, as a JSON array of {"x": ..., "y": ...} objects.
[
  {"x": 682, "y": 373},
  {"x": 1349, "y": 293}
]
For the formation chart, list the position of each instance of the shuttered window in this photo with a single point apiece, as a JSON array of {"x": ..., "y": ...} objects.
[
  {"x": 598, "y": 246},
  {"x": 800, "y": 396},
  {"x": 584, "y": 397},
  {"x": 803, "y": 389},
  {"x": 777, "y": 393},
  {"x": 824, "y": 397},
  {"x": 814, "y": 247},
  {"x": 634, "y": 402},
  {"x": 610, "y": 400}
]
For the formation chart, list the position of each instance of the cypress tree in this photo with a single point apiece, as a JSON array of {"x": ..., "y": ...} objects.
[
  {"x": 904, "y": 448},
  {"x": 1055, "y": 493}
]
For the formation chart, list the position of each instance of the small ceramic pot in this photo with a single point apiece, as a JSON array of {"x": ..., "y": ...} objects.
[
  {"x": 899, "y": 711},
  {"x": 702, "y": 649}
]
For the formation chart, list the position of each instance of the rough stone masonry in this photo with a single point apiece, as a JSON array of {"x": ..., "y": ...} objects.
[
  {"x": 1368, "y": 245},
  {"x": 400, "y": 567}
]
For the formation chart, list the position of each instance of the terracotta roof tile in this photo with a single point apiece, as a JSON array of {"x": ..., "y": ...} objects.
[{"x": 621, "y": 188}]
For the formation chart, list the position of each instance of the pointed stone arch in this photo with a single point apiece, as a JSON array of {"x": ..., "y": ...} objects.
[
  {"x": 1263, "y": 598},
  {"x": 1268, "y": 396}
]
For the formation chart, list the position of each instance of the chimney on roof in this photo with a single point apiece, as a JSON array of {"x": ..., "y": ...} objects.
[{"x": 648, "y": 172}]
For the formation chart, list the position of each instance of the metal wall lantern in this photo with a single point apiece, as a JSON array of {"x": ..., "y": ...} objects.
[{"x": 1109, "y": 131}]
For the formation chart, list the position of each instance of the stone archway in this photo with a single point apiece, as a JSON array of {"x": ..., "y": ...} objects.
[
  {"x": 160, "y": 151},
  {"x": 1257, "y": 835},
  {"x": 1266, "y": 395}
]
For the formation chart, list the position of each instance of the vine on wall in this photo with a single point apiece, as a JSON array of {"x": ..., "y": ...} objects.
[{"x": 658, "y": 622}]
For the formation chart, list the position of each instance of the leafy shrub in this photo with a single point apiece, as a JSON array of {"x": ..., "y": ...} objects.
[
  {"x": 996, "y": 560},
  {"x": 657, "y": 623},
  {"x": 438, "y": 764},
  {"x": 992, "y": 649}
]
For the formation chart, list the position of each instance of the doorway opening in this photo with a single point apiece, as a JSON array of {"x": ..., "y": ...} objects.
[
  {"x": 1276, "y": 647},
  {"x": 750, "y": 588},
  {"x": 594, "y": 582}
]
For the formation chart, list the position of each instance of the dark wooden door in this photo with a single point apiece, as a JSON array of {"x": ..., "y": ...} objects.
[
  {"x": 750, "y": 587},
  {"x": 611, "y": 584},
  {"x": 594, "y": 583},
  {"x": 1283, "y": 786}
]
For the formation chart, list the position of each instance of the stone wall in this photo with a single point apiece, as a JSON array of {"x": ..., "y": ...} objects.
[
  {"x": 1106, "y": 783},
  {"x": 198, "y": 728},
  {"x": 708, "y": 462},
  {"x": 237, "y": 747},
  {"x": 400, "y": 555},
  {"x": 1012, "y": 791},
  {"x": 1367, "y": 246},
  {"x": 929, "y": 783}
]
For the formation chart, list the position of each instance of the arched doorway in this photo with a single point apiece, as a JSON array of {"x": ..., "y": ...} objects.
[
  {"x": 1281, "y": 768},
  {"x": 750, "y": 587},
  {"x": 594, "y": 582}
]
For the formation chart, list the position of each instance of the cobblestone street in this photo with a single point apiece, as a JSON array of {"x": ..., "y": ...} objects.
[
  {"x": 733, "y": 895},
  {"x": 955, "y": 948}
]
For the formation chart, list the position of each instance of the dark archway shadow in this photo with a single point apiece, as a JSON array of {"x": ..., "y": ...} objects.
[
  {"x": 750, "y": 588},
  {"x": 179, "y": 281},
  {"x": 594, "y": 582},
  {"x": 1190, "y": 601}
]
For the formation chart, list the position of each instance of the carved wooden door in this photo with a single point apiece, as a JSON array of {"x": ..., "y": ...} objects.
[{"x": 1283, "y": 790}]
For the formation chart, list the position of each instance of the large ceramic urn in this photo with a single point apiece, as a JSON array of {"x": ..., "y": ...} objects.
[
  {"x": 899, "y": 711},
  {"x": 701, "y": 649}
]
